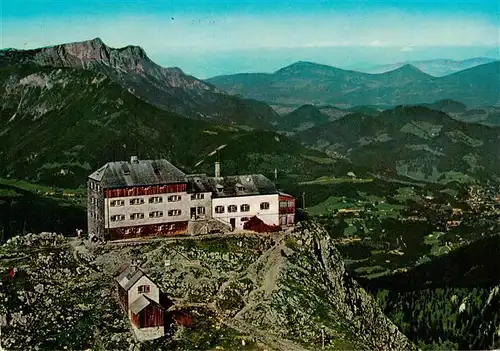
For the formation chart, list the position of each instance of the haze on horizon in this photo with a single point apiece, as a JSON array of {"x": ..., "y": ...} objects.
[{"x": 207, "y": 38}]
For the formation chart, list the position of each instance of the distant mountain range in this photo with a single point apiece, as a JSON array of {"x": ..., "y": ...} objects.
[
  {"x": 308, "y": 116},
  {"x": 310, "y": 83},
  {"x": 436, "y": 68}
]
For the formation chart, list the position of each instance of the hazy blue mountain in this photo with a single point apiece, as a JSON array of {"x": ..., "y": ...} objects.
[
  {"x": 309, "y": 83},
  {"x": 437, "y": 67}
]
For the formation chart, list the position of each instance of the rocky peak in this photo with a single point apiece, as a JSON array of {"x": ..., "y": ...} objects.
[{"x": 89, "y": 53}]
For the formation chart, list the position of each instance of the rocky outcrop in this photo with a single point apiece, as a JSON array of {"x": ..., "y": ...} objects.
[
  {"x": 133, "y": 60},
  {"x": 288, "y": 290},
  {"x": 279, "y": 291},
  {"x": 301, "y": 290},
  {"x": 353, "y": 302}
]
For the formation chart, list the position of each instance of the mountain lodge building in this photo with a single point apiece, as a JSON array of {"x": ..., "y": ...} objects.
[{"x": 144, "y": 198}]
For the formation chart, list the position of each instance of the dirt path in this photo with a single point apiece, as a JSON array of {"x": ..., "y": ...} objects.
[{"x": 239, "y": 234}]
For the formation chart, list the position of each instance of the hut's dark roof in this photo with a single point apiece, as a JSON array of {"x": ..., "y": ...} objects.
[
  {"x": 142, "y": 172},
  {"x": 229, "y": 186}
]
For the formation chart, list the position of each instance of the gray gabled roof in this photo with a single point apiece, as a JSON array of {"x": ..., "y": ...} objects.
[
  {"x": 141, "y": 303},
  {"x": 129, "y": 277},
  {"x": 229, "y": 186},
  {"x": 142, "y": 172}
]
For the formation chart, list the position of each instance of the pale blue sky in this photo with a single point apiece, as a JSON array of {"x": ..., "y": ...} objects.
[{"x": 206, "y": 38}]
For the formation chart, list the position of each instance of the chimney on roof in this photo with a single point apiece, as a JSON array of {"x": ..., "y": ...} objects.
[
  {"x": 134, "y": 159},
  {"x": 217, "y": 169}
]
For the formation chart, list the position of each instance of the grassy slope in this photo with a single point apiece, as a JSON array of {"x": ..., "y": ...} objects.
[{"x": 412, "y": 141}]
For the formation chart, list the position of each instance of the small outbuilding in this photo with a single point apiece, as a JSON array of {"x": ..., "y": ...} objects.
[{"x": 143, "y": 302}]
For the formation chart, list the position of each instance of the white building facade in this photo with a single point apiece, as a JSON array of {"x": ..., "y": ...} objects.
[
  {"x": 143, "y": 210},
  {"x": 235, "y": 211}
]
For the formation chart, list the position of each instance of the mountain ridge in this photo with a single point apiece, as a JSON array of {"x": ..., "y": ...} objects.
[
  {"x": 434, "y": 67},
  {"x": 308, "y": 83},
  {"x": 167, "y": 88},
  {"x": 414, "y": 142}
]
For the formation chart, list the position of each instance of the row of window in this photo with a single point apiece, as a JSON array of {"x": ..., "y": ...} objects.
[
  {"x": 140, "y": 201},
  {"x": 155, "y": 200},
  {"x": 243, "y": 208},
  {"x": 140, "y": 215},
  {"x": 159, "y": 228}
]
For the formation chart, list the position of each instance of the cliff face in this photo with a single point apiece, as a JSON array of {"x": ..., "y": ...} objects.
[
  {"x": 286, "y": 291},
  {"x": 303, "y": 287},
  {"x": 117, "y": 62}
]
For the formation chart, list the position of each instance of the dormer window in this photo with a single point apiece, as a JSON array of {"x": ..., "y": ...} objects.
[{"x": 220, "y": 188}]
